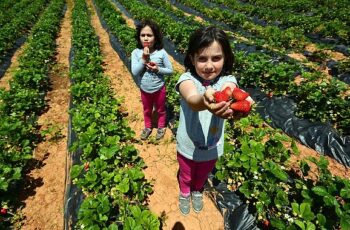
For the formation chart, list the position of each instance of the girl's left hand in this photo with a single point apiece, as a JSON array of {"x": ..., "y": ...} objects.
[{"x": 152, "y": 66}]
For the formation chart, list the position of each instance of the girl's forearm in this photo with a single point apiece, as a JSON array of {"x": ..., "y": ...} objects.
[{"x": 196, "y": 102}]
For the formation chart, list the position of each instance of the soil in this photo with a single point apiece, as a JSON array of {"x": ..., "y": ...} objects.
[{"x": 42, "y": 196}]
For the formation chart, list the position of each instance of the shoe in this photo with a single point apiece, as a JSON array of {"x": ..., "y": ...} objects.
[
  {"x": 145, "y": 133},
  {"x": 197, "y": 201},
  {"x": 184, "y": 205},
  {"x": 160, "y": 133}
]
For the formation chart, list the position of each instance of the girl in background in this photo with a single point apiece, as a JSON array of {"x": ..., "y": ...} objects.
[{"x": 149, "y": 64}]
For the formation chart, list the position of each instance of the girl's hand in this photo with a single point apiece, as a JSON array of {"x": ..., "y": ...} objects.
[
  {"x": 145, "y": 55},
  {"x": 221, "y": 109},
  {"x": 152, "y": 66}
]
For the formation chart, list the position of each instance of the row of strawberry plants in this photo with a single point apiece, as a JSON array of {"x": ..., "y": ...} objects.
[
  {"x": 256, "y": 166},
  {"x": 23, "y": 103},
  {"x": 7, "y": 15},
  {"x": 259, "y": 71},
  {"x": 291, "y": 38},
  {"x": 315, "y": 20},
  {"x": 19, "y": 25},
  {"x": 110, "y": 174},
  {"x": 318, "y": 98}
]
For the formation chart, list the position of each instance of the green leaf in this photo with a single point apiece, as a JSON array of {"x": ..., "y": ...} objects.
[
  {"x": 123, "y": 186},
  {"x": 300, "y": 224},
  {"x": 320, "y": 190},
  {"x": 75, "y": 171},
  {"x": 305, "y": 210},
  {"x": 321, "y": 219},
  {"x": 345, "y": 222}
]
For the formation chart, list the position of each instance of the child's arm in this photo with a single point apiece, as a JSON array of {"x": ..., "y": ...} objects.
[
  {"x": 137, "y": 63},
  {"x": 199, "y": 102}
]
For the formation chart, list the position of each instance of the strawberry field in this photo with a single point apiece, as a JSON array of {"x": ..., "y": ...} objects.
[{"x": 286, "y": 165}]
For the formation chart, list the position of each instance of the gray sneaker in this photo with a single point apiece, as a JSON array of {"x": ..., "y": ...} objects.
[
  {"x": 145, "y": 133},
  {"x": 184, "y": 205},
  {"x": 160, "y": 133},
  {"x": 197, "y": 201}
]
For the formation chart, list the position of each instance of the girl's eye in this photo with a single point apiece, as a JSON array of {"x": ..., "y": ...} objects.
[
  {"x": 202, "y": 59},
  {"x": 217, "y": 58}
]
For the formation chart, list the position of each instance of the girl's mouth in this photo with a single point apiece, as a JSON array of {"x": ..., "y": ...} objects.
[{"x": 146, "y": 44}]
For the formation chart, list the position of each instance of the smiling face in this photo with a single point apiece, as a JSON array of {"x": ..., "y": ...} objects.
[
  {"x": 209, "y": 61},
  {"x": 147, "y": 37}
]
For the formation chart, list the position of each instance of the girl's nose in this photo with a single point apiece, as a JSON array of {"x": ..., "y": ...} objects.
[{"x": 208, "y": 67}]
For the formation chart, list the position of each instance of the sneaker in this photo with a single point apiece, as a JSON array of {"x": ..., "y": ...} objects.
[
  {"x": 184, "y": 205},
  {"x": 160, "y": 133},
  {"x": 145, "y": 133},
  {"x": 197, "y": 201}
]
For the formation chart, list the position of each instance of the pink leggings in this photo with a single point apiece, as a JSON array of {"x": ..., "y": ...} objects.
[
  {"x": 193, "y": 174},
  {"x": 156, "y": 99}
]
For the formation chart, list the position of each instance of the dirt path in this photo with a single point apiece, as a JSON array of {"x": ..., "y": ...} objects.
[
  {"x": 160, "y": 158},
  {"x": 43, "y": 193}
]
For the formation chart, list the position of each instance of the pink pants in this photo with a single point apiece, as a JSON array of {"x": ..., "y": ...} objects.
[
  {"x": 156, "y": 99},
  {"x": 193, "y": 174}
]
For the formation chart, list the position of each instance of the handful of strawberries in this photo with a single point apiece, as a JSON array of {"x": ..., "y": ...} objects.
[{"x": 237, "y": 97}]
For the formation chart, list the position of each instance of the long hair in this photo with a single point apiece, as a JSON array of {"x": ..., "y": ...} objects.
[{"x": 203, "y": 38}]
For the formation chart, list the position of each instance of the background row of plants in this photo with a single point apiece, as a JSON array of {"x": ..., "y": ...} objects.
[
  {"x": 16, "y": 20},
  {"x": 21, "y": 105},
  {"x": 329, "y": 98},
  {"x": 110, "y": 173},
  {"x": 255, "y": 165},
  {"x": 326, "y": 18}
]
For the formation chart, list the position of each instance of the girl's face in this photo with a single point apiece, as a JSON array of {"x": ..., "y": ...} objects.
[
  {"x": 147, "y": 37},
  {"x": 209, "y": 61}
]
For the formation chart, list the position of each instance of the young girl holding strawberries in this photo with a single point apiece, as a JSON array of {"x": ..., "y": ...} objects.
[
  {"x": 149, "y": 64},
  {"x": 200, "y": 134}
]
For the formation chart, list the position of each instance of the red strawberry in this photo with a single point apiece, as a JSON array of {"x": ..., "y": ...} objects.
[
  {"x": 239, "y": 95},
  {"x": 227, "y": 91},
  {"x": 86, "y": 166},
  {"x": 146, "y": 44},
  {"x": 220, "y": 96},
  {"x": 3, "y": 211},
  {"x": 151, "y": 63},
  {"x": 266, "y": 224},
  {"x": 241, "y": 106}
]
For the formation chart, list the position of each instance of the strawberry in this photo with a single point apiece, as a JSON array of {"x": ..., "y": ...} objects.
[
  {"x": 266, "y": 224},
  {"x": 3, "y": 211},
  {"x": 239, "y": 95},
  {"x": 220, "y": 96},
  {"x": 227, "y": 91},
  {"x": 86, "y": 166},
  {"x": 151, "y": 63},
  {"x": 145, "y": 44},
  {"x": 241, "y": 106}
]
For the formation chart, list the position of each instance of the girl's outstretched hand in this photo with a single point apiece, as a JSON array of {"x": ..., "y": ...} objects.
[{"x": 221, "y": 109}]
